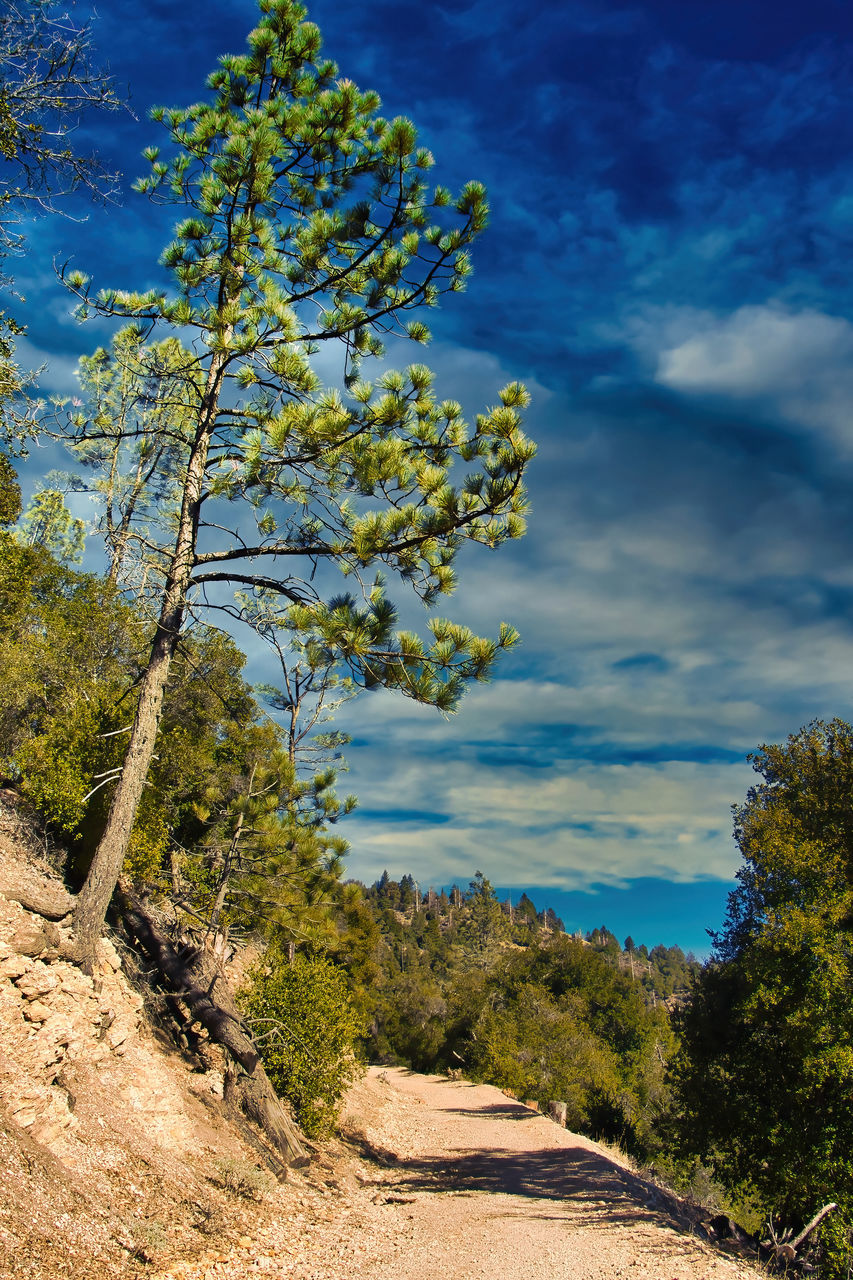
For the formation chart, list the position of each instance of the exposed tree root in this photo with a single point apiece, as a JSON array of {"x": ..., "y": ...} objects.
[{"x": 196, "y": 978}]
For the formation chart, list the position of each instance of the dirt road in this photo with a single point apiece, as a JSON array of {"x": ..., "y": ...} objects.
[{"x": 459, "y": 1182}]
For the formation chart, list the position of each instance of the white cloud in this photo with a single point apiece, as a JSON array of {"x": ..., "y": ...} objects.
[
  {"x": 757, "y": 350},
  {"x": 575, "y": 826},
  {"x": 797, "y": 365},
  {"x": 56, "y": 373}
]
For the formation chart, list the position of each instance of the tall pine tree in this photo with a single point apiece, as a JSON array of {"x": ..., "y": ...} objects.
[{"x": 308, "y": 220}]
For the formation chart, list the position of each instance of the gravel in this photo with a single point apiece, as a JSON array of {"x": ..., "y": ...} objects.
[{"x": 447, "y": 1180}]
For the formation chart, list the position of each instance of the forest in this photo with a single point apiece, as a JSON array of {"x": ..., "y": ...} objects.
[{"x": 232, "y": 488}]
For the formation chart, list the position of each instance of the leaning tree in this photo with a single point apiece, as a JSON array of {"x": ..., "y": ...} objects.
[{"x": 307, "y": 219}]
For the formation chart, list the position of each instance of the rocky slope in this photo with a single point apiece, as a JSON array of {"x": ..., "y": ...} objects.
[{"x": 117, "y": 1154}]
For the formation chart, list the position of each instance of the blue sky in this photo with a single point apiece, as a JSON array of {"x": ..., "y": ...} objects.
[{"x": 668, "y": 269}]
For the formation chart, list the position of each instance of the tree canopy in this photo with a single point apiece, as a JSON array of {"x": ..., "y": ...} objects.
[{"x": 765, "y": 1073}]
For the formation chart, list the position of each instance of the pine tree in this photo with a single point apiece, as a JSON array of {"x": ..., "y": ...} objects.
[
  {"x": 48, "y": 523},
  {"x": 308, "y": 220}
]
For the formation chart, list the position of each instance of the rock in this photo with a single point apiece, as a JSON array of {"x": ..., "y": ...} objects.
[
  {"x": 118, "y": 1033},
  {"x": 47, "y": 1133},
  {"x": 29, "y": 940},
  {"x": 109, "y": 955},
  {"x": 76, "y": 983},
  {"x": 35, "y": 1011},
  {"x": 15, "y": 967},
  {"x": 38, "y": 982},
  {"x": 58, "y": 1029}
]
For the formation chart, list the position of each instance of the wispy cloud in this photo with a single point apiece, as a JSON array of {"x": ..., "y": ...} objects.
[{"x": 796, "y": 366}]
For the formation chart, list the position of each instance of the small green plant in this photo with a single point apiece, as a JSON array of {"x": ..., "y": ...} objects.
[
  {"x": 149, "y": 1239},
  {"x": 241, "y": 1178},
  {"x": 305, "y": 1026}
]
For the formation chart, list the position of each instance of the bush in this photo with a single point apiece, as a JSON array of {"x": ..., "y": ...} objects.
[
  {"x": 241, "y": 1178},
  {"x": 305, "y": 1026}
]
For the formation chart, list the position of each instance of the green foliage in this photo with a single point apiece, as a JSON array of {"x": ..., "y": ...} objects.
[
  {"x": 12, "y": 383},
  {"x": 295, "y": 191},
  {"x": 467, "y": 981},
  {"x": 303, "y": 1019},
  {"x": 483, "y": 928},
  {"x": 10, "y": 490},
  {"x": 557, "y": 1021},
  {"x": 765, "y": 1074},
  {"x": 149, "y": 845},
  {"x": 48, "y": 523},
  {"x": 69, "y": 652}
]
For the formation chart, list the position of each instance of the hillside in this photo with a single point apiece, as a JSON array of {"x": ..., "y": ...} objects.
[
  {"x": 118, "y": 1152},
  {"x": 122, "y": 1157}
]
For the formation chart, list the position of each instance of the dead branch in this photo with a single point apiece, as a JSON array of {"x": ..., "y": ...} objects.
[{"x": 815, "y": 1222}]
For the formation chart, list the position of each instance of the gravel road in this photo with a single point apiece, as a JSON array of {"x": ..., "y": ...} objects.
[
  {"x": 455, "y": 1182},
  {"x": 479, "y": 1185}
]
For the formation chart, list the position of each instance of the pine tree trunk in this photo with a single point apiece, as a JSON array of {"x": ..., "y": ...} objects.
[
  {"x": 198, "y": 979},
  {"x": 94, "y": 897}
]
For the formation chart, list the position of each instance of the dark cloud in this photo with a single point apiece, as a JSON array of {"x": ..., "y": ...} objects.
[{"x": 644, "y": 661}]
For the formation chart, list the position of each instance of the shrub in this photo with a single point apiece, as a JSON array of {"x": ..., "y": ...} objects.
[
  {"x": 241, "y": 1178},
  {"x": 305, "y": 1026}
]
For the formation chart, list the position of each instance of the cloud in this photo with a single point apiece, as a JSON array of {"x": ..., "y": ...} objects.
[
  {"x": 56, "y": 370},
  {"x": 757, "y": 351},
  {"x": 575, "y": 827},
  {"x": 795, "y": 365}
]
